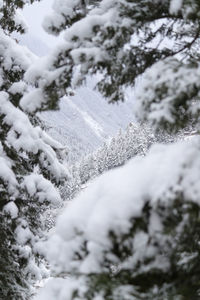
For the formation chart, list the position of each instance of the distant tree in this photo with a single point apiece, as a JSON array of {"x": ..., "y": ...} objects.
[
  {"x": 84, "y": 169},
  {"x": 112, "y": 154},
  {"x": 136, "y": 140}
]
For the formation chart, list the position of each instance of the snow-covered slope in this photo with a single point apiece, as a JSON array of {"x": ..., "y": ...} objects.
[{"x": 86, "y": 120}]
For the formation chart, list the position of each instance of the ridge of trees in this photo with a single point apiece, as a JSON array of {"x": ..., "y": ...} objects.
[{"x": 135, "y": 140}]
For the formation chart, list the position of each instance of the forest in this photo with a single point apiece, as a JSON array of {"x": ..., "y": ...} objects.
[{"x": 121, "y": 222}]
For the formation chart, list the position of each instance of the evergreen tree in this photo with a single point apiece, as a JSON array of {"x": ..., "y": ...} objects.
[
  {"x": 28, "y": 159},
  {"x": 136, "y": 140},
  {"x": 134, "y": 234},
  {"x": 135, "y": 39},
  {"x": 112, "y": 154}
]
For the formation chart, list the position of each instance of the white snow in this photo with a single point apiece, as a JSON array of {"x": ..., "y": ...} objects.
[
  {"x": 7, "y": 174},
  {"x": 23, "y": 135},
  {"x": 11, "y": 209},
  {"x": 14, "y": 54},
  {"x": 32, "y": 101},
  {"x": 154, "y": 106},
  {"x": 37, "y": 185},
  {"x": 23, "y": 234},
  {"x": 175, "y": 6},
  {"x": 86, "y": 120},
  {"x": 111, "y": 202},
  {"x": 20, "y": 20},
  {"x": 18, "y": 88},
  {"x": 119, "y": 195}
]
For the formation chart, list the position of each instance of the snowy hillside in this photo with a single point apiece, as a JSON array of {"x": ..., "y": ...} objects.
[{"x": 86, "y": 120}]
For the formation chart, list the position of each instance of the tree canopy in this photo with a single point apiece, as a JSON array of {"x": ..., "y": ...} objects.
[
  {"x": 118, "y": 39},
  {"x": 29, "y": 158}
]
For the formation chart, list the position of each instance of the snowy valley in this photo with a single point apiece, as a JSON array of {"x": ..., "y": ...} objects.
[{"x": 85, "y": 120}]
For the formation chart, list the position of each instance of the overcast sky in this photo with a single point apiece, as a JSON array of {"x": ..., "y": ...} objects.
[{"x": 34, "y": 15}]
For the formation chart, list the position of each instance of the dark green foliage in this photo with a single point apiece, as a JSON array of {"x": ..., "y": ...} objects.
[
  {"x": 12, "y": 284},
  {"x": 171, "y": 271},
  {"x": 129, "y": 45},
  {"x": 21, "y": 223},
  {"x": 7, "y": 22},
  {"x": 152, "y": 39}
]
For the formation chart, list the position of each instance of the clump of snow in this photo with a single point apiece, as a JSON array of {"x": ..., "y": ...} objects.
[
  {"x": 7, "y": 174},
  {"x": 58, "y": 289},
  {"x": 65, "y": 7},
  {"x": 61, "y": 11},
  {"x": 37, "y": 185},
  {"x": 14, "y": 54},
  {"x": 50, "y": 22},
  {"x": 23, "y": 135},
  {"x": 20, "y": 20},
  {"x": 32, "y": 101},
  {"x": 18, "y": 88},
  {"x": 84, "y": 28},
  {"x": 175, "y": 6},
  {"x": 160, "y": 102},
  {"x": 11, "y": 209},
  {"x": 23, "y": 234}
]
